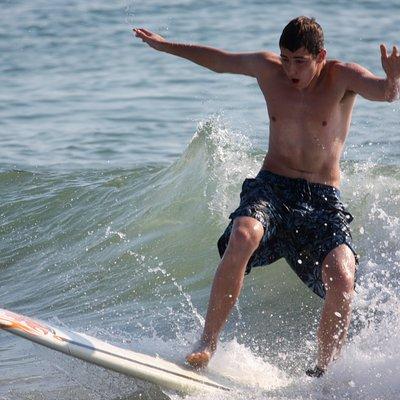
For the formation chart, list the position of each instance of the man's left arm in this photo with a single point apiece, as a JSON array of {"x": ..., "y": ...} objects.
[{"x": 363, "y": 82}]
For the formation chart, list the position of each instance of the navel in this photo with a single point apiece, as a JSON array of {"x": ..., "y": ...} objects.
[{"x": 324, "y": 123}]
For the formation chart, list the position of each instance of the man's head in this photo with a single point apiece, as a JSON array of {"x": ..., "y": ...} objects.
[
  {"x": 302, "y": 50},
  {"x": 303, "y": 32}
]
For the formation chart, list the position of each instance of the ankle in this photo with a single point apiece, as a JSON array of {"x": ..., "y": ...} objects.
[{"x": 209, "y": 341}]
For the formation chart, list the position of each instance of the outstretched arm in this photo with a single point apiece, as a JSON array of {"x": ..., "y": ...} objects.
[
  {"x": 361, "y": 81},
  {"x": 208, "y": 57}
]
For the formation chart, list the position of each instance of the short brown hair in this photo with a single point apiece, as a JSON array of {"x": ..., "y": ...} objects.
[{"x": 303, "y": 32}]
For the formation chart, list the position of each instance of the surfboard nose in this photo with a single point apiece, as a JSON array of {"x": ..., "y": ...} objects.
[{"x": 6, "y": 320}]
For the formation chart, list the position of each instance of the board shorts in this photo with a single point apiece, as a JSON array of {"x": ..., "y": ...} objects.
[{"x": 303, "y": 222}]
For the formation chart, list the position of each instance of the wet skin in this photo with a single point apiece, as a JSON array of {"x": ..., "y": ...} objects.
[{"x": 309, "y": 101}]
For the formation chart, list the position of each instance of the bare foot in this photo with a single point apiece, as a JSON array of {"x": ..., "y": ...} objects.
[{"x": 201, "y": 355}]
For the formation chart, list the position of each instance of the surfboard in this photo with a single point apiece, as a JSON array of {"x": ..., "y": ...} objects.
[{"x": 142, "y": 366}]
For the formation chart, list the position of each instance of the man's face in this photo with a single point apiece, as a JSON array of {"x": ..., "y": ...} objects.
[{"x": 301, "y": 66}]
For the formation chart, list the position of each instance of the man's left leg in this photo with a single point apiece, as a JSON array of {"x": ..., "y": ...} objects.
[{"x": 338, "y": 274}]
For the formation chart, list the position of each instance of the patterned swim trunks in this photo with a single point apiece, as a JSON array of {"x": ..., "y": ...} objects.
[{"x": 302, "y": 221}]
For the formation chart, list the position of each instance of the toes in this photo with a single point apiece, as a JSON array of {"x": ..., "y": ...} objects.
[{"x": 198, "y": 360}]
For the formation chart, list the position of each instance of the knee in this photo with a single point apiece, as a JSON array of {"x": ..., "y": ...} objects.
[
  {"x": 338, "y": 273},
  {"x": 340, "y": 282},
  {"x": 247, "y": 233}
]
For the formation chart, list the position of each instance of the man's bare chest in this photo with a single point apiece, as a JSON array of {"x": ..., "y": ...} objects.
[
  {"x": 322, "y": 108},
  {"x": 280, "y": 100}
]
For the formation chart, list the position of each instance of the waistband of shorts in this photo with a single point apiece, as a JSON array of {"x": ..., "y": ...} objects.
[{"x": 297, "y": 183}]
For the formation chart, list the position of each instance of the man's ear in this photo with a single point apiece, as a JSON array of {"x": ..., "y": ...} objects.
[{"x": 321, "y": 56}]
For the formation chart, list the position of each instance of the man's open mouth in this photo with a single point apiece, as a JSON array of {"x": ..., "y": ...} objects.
[{"x": 295, "y": 80}]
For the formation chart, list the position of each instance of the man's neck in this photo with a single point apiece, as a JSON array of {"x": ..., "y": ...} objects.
[{"x": 317, "y": 77}]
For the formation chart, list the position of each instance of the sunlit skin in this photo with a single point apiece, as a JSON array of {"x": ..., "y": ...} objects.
[{"x": 309, "y": 100}]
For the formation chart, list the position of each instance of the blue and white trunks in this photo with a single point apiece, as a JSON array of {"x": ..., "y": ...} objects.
[{"x": 303, "y": 222}]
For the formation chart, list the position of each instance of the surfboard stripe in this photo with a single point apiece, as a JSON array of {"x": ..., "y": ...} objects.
[{"x": 215, "y": 385}]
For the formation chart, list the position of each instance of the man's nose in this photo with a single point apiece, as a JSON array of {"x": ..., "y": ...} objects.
[{"x": 291, "y": 69}]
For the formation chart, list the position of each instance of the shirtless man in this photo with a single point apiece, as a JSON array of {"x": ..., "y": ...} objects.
[{"x": 292, "y": 208}]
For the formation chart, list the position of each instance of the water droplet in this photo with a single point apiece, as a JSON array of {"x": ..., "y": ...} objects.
[{"x": 338, "y": 314}]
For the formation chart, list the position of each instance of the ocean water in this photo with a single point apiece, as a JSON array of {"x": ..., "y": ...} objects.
[{"x": 119, "y": 167}]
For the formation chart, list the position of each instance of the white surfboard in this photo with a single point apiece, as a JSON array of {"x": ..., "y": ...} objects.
[{"x": 87, "y": 348}]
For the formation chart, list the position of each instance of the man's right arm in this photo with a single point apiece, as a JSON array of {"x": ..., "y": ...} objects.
[{"x": 214, "y": 59}]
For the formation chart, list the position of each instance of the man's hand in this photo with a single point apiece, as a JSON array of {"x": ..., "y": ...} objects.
[
  {"x": 152, "y": 39},
  {"x": 391, "y": 65}
]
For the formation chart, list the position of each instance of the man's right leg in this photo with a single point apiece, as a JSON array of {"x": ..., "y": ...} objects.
[{"x": 245, "y": 237}]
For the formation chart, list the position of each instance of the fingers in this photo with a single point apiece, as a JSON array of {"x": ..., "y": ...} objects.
[
  {"x": 152, "y": 39},
  {"x": 142, "y": 31},
  {"x": 395, "y": 51},
  {"x": 383, "y": 51},
  {"x": 146, "y": 31},
  {"x": 139, "y": 32}
]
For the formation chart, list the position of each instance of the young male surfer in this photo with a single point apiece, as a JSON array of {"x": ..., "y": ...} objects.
[{"x": 292, "y": 208}]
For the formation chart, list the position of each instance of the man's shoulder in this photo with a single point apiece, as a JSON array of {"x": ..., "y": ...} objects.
[
  {"x": 336, "y": 66},
  {"x": 343, "y": 68},
  {"x": 268, "y": 61},
  {"x": 340, "y": 71},
  {"x": 269, "y": 57},
  {"x": 343, "y": 74}
]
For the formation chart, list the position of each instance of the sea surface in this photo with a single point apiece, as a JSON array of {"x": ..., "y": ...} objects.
[{"x": 119, "y": 167}]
